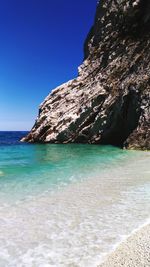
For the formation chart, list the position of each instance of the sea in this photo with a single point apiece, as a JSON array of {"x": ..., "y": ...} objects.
[{"x": 68, "y": 205}]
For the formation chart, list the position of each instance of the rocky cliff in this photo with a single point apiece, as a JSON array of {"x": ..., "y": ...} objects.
[{"x": 109, "y": 102}]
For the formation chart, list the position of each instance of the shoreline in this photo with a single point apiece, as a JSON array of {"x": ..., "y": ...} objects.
[
  {"x": 132, "y": 251},
  {"x": 99, "y": 202}
]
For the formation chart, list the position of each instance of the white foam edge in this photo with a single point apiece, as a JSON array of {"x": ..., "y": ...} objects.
[{"x": 123, "y": 239}]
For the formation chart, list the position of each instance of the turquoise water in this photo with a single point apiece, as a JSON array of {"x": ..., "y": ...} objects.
[
  {"x": 27, "y": 170},
  {"x": 68, "y": 205}
]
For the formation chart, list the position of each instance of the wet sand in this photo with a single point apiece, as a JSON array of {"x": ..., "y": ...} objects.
[{"x": 133, "y": 252}]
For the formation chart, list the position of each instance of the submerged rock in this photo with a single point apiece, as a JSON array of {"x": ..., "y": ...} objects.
[{"x": 109, "y": 102}]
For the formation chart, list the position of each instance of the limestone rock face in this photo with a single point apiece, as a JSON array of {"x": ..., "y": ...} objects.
[{"x": 109, "y": 102}]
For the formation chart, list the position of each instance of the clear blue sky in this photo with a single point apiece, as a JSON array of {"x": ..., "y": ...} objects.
[{"x": 41, "y": 46}]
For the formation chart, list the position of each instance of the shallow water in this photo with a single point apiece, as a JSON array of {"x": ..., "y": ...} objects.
[{"x": 69, "y": 205}]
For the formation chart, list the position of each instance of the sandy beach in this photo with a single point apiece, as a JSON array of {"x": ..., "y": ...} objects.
[{"x": 133, "y": 252}]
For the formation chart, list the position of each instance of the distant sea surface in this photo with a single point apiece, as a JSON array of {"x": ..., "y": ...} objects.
[
  {"x": 68, "y": 205},
  {"x": 11, "y": 138}
]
